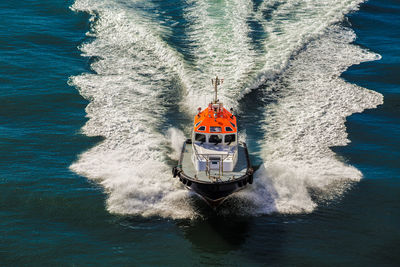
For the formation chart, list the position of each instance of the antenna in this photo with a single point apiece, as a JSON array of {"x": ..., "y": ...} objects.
[{"x": 216, "y": 82}]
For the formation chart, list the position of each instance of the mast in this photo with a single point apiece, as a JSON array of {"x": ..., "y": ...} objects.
[{"x": 216, "y": 82}]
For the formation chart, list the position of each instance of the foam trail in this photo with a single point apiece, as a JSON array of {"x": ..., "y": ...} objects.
[
  {"x": 127, "y": 107},
  {"x": 220, "y": 32},
  {"x": 307, "y": 119},
  {"x": 289, "y": 25},
  {"x": 136, "y": 68}
]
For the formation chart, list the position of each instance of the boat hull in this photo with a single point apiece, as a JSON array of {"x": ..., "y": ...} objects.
[{"x": 213, "y": 192}]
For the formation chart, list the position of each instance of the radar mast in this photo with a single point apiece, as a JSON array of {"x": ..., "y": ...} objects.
[{"x": 216, "y": 82}]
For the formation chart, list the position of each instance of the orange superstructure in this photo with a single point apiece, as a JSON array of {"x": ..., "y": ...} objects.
[{"x": 215, "y": 119}]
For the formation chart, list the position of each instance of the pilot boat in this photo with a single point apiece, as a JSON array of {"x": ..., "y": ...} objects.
[{"x": 213, "y": 162}]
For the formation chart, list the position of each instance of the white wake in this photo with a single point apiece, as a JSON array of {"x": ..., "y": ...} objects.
[{"x": 299, "y": 51}]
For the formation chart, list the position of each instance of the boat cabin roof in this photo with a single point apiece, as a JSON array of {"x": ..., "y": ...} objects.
[{"x": 215, "y": 119}]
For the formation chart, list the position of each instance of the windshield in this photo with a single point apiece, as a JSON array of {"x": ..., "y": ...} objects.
[
  {"x": 215, "y": 139},
  {"x": 229, "y": 138},
  {"x": 215, "y": 129},
  {"x": 200, "y": 137}
]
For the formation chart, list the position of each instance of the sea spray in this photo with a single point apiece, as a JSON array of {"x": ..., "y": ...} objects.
[{"x": 176, "y": 138}]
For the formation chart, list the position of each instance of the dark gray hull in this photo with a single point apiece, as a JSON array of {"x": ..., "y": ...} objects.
[{"x": 214, "y": 192}]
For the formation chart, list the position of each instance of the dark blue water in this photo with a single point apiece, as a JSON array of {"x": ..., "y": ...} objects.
[{"x": 50, "y": 216}]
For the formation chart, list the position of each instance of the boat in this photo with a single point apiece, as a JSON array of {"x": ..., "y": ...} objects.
[{"x": 213, "y": 162}]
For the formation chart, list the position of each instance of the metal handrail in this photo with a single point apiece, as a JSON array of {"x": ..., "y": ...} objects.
[
  {"x": 206, "y": 154},
  {"x": 206, "y": 157}
]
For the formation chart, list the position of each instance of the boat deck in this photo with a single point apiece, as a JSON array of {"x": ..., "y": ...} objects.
[{"x": 214, "y": 176}]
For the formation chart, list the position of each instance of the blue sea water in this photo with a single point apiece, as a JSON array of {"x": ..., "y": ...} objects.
[{"x": 95, "y": 95}]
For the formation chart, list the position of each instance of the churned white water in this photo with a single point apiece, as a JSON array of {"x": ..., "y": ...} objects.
[
  {"x": 306, "y": 120},
  {"x": 299, "y": 54},
  {"x": 135, "y": 69}
]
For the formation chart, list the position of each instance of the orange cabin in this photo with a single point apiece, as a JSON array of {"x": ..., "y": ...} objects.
[{"x": 215, "y": 120}]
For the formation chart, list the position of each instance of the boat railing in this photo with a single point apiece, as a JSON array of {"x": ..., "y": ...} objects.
[{"x": 211, "y": 159}]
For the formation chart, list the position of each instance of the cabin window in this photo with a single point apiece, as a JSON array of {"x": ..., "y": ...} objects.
[
  {"x": 234, "y": 126},
  {"x": 215, "y": 129},
  {"x": 215, "y": 139},
  {"x": 202, "y": 128},
  {"x": 200, "y": 137},
  {"x": 229, "y": 138},
  {"x": 228, "y": 129},
  {"x": 197, "y": 124}
]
